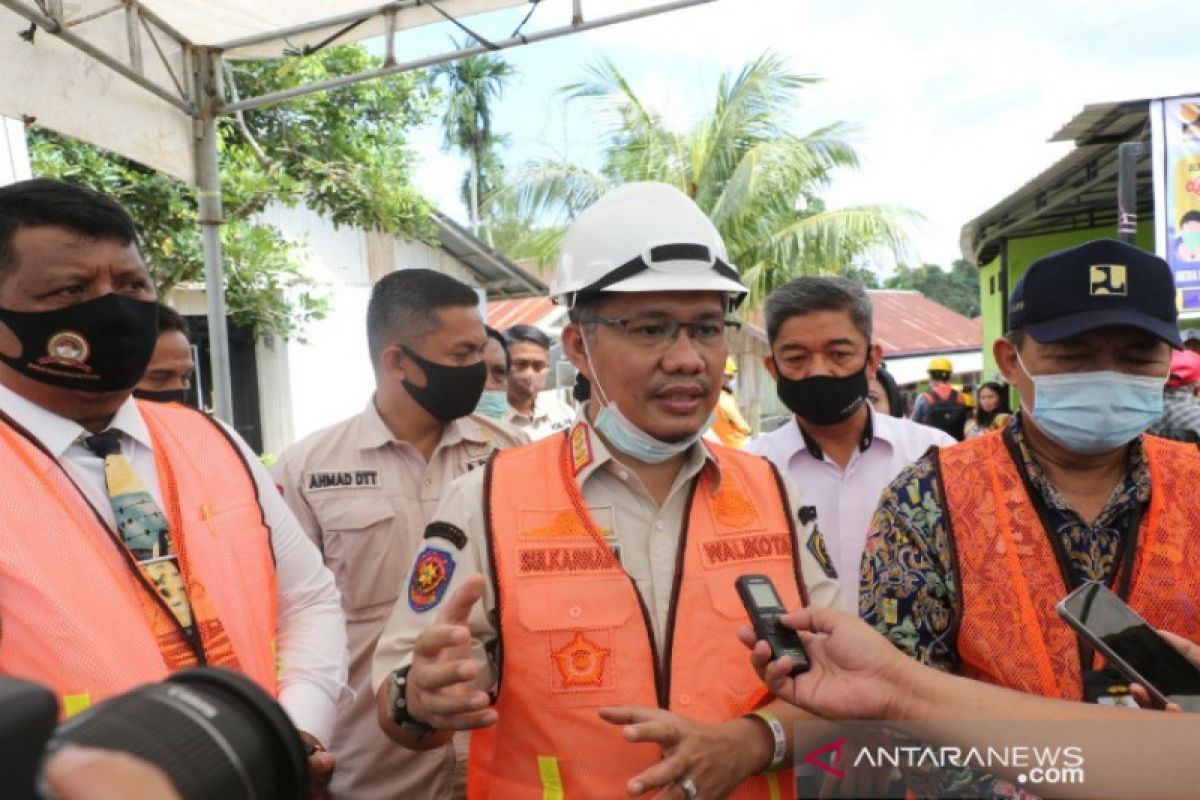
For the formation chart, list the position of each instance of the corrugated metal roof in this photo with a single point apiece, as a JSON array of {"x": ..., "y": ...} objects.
[
  {"x": 497, "y": 274},
  {"x": 907, "y": 323},
  {"x": 1106, "y": 123},
  {"x": 1077, "y": 191},
  {"x": 503, "y": 314}
]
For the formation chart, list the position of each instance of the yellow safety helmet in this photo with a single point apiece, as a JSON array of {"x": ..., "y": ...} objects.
[
  {"x": 941, "y": 364},
  {"x": 730, "y": 367}
]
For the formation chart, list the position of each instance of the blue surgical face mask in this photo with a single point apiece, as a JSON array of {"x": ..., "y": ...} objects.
[
  {"x": 631, "y": 440},
  {"x": 492, "y": 403},
  {"x": 1095, "y": 412}
]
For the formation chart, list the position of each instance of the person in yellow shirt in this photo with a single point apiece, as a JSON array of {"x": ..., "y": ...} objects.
[{"x": 730, "y": 427}]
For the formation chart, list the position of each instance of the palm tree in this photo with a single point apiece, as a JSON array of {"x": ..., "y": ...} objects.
[
  {"x": 472, "y": 84},
  {"x": 759, "y": 182}
]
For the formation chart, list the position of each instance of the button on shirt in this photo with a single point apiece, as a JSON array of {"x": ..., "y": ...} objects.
[
  {"x": 365, "y": 498},
  {"x": 646, "y": 535},
  {"x": 311, "y": 645},
  {"x": 845, "y": 498}
]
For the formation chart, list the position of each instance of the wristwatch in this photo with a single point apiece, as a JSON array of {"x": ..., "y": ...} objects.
[{"x": 398, "y": 704}]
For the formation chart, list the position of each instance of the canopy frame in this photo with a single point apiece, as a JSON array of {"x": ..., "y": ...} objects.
[{"x": 196, "y": 87}]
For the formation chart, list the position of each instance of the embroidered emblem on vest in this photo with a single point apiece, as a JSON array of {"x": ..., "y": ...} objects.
[
  {"x": 581, "y": 447},
  {"x": 444, "y": 530},
  {"x": 731, "y": 506},
  {"x": 565, "y": 524},
  {"x": 430, "y": 576},
  {"x": 580, "y": 663},
  {"x": 816, "y": 546}
]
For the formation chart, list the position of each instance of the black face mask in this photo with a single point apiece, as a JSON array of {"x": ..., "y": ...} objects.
[
  {"x": 102, "y": 345},
  {"x": 163, "y": 396},
  {"x": 449, "y": 392},
  {"x": 823, "y": 399}
]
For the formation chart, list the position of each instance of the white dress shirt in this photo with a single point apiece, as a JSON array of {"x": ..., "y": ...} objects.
[
  {"x": 311, "y": 647},
  {"x": 845, "y": 500}
]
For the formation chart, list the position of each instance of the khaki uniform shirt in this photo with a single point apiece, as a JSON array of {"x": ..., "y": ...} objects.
[
  {"x": 646, "y": 536},
  {"x": 365, "y": 498}
]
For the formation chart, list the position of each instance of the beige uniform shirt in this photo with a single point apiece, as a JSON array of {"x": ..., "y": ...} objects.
[
  {"x": 646, "y": 535},
  {"x": 365, "y": 499}
]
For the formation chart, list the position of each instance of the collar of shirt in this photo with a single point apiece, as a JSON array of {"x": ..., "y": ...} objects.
[
  {"x": 375, "y": 432},
  {"x": 698, "y": 458},
  {"x": 803, "y": 441},
  {"x": 57, "y": 434},
  {"x": 533, "y": 418},
  {"x": 1133, "y": 489}
]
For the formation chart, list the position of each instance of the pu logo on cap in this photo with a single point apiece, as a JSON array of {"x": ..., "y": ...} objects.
[{"x": 1108, "y": 279}]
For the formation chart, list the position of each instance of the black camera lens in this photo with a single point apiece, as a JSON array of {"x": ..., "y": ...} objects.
[{"x": 215, "y": 733}]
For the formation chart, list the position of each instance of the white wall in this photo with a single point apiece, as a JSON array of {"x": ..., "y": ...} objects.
[
  {"x": 330, "y": 377},
  {"x": 14, "y": 155},
  {"x": 308, "y": 386},
  {"x": 914, "y": 369}
]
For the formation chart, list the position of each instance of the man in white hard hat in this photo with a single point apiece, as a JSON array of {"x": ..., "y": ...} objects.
[{"x": 575, "y": 604}]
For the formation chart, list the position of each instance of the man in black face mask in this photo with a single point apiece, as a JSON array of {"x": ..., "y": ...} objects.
[
  {"x": 836, "y": 446},
  {"x": 136, "y": 539},
  {"x": 364, "y": 490},
  {"x": 168, "y": 378}
]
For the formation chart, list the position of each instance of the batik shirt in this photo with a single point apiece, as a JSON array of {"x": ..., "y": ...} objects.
[{"x": 909, "y": 591}]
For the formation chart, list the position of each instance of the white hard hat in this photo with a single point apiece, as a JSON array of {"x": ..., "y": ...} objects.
[{"x": 643, "y": 237}]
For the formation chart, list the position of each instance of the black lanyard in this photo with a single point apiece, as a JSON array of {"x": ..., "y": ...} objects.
[{"x": 1123, "y": 564}]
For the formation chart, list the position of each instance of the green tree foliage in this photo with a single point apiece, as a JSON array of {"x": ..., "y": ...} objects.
[
  {"x": 759, "y": 181},
  {"x": 957, "y": 288},
  {"x": 342, "y": 154},
  {"x": 472, "y": 84}
]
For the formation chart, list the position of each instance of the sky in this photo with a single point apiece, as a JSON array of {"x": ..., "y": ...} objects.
[{"x": 951, "y": 104}]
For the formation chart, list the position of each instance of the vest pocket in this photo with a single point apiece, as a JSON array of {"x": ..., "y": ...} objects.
[
  {"x": 575, "y": 630},
  {"x": 367, "y": 554},
  {"x": 722, "y": 588}
]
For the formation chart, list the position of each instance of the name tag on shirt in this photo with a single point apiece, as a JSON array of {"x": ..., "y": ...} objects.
[{"x": 319, "y": 480}]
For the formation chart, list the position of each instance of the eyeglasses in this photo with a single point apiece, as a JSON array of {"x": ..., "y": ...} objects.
[{"x": 660, "y": 333}]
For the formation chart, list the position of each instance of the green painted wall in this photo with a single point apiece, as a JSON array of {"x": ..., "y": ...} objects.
[{"x": 1022, "y": 252}]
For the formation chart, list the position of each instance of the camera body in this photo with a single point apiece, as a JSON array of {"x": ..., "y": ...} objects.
[
  {"x": 213, "y": 732},
  {"x": 28, "y": 715}
]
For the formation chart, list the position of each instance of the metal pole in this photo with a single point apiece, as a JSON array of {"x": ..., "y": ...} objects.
[
  {"x": 1127, "y": 157},
  {"x": 208, "y": 192}
]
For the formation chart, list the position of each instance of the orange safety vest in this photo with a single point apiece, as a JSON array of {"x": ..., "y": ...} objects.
[
  {"x": 72, "y": 602},
  {"x": 1010, "y": 580},
  {"x": 576, "y": 635}
]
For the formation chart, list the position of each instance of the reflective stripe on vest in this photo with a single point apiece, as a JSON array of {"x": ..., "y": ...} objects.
[
  {"x": 71, "y": 613},
  {"x": 1009, "y": 579},
  {"x": 577, "y": 637}
]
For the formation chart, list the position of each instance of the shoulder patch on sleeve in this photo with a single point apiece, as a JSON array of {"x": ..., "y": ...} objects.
[
  {"x": 430, "y": 576},
  {"x": 444, "y": 530},
  {"x": 816, "y": 546},
  {"x": 806, "y": 514}
]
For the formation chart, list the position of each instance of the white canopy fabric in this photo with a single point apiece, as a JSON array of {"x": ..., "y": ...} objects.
[
  {"x": 223, "y": 23},
  {"x": 68, "y": 91},
  {"x": 144, "y": 78}
]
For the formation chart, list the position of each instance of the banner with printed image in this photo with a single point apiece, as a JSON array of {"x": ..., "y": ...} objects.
[{"x": 1175, "y": 126}]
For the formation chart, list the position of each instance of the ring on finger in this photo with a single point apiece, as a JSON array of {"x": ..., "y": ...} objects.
[{"x": 689, "y": 788}]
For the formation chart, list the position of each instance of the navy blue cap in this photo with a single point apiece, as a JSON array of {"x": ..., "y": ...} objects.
[{"x": 1095, "y": 285}]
